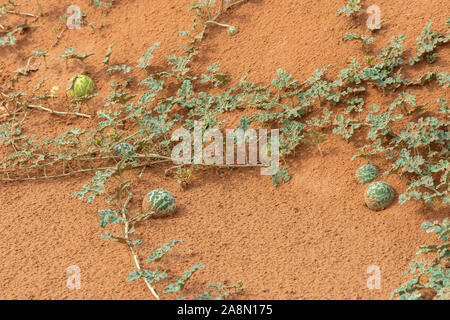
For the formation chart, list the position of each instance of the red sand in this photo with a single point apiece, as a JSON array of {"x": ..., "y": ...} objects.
[{"x": 311, "y": 238}]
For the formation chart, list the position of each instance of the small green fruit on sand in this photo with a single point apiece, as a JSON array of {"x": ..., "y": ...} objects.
[
  {"x": 379, "y": 196},
  {"x": 232, "y": 30},
  {"x": 80, "y": 86},
  {"x": 123, "y": 150},
  {"x": 367, "y": 173},
  {"x": 160, "y": 201}
]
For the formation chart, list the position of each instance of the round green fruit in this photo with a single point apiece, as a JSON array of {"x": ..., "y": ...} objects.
[
  {"x": 80, "y": 86},
  {"x": 123, "y": 150},
  {"x": 160, "y": 201},
  {"x": 232, "y": 30},
  {"x": 367, "y": 173},
  {"x": 379, "y": 196}
]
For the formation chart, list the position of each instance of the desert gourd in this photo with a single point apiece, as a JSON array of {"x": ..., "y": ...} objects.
[
  {"x": 367, "y": 173},
  {"x": 80, "y": 86},
  {"x": 379, "y": 195},
  {"x": 160, "y": 201},
  {"x": 123, "y": 150}
]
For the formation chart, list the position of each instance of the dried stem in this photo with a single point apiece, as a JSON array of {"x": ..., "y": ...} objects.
[{"x": 60, "y": 112}]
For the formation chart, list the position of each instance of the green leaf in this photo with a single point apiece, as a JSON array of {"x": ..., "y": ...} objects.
[
  {"x": 281, "y": 175},
  {"x": 109, "y": 216},
  {"x": 146, "y": 59},
  {"x": 150, "y": 276},
  {"x": 179, "y": 284},
  {"x": 95, "y": 186},
  {"x": 160, "y": 252}
]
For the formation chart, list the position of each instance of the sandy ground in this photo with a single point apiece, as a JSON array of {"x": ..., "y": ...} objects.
[{"x": 311, "y": 238}]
